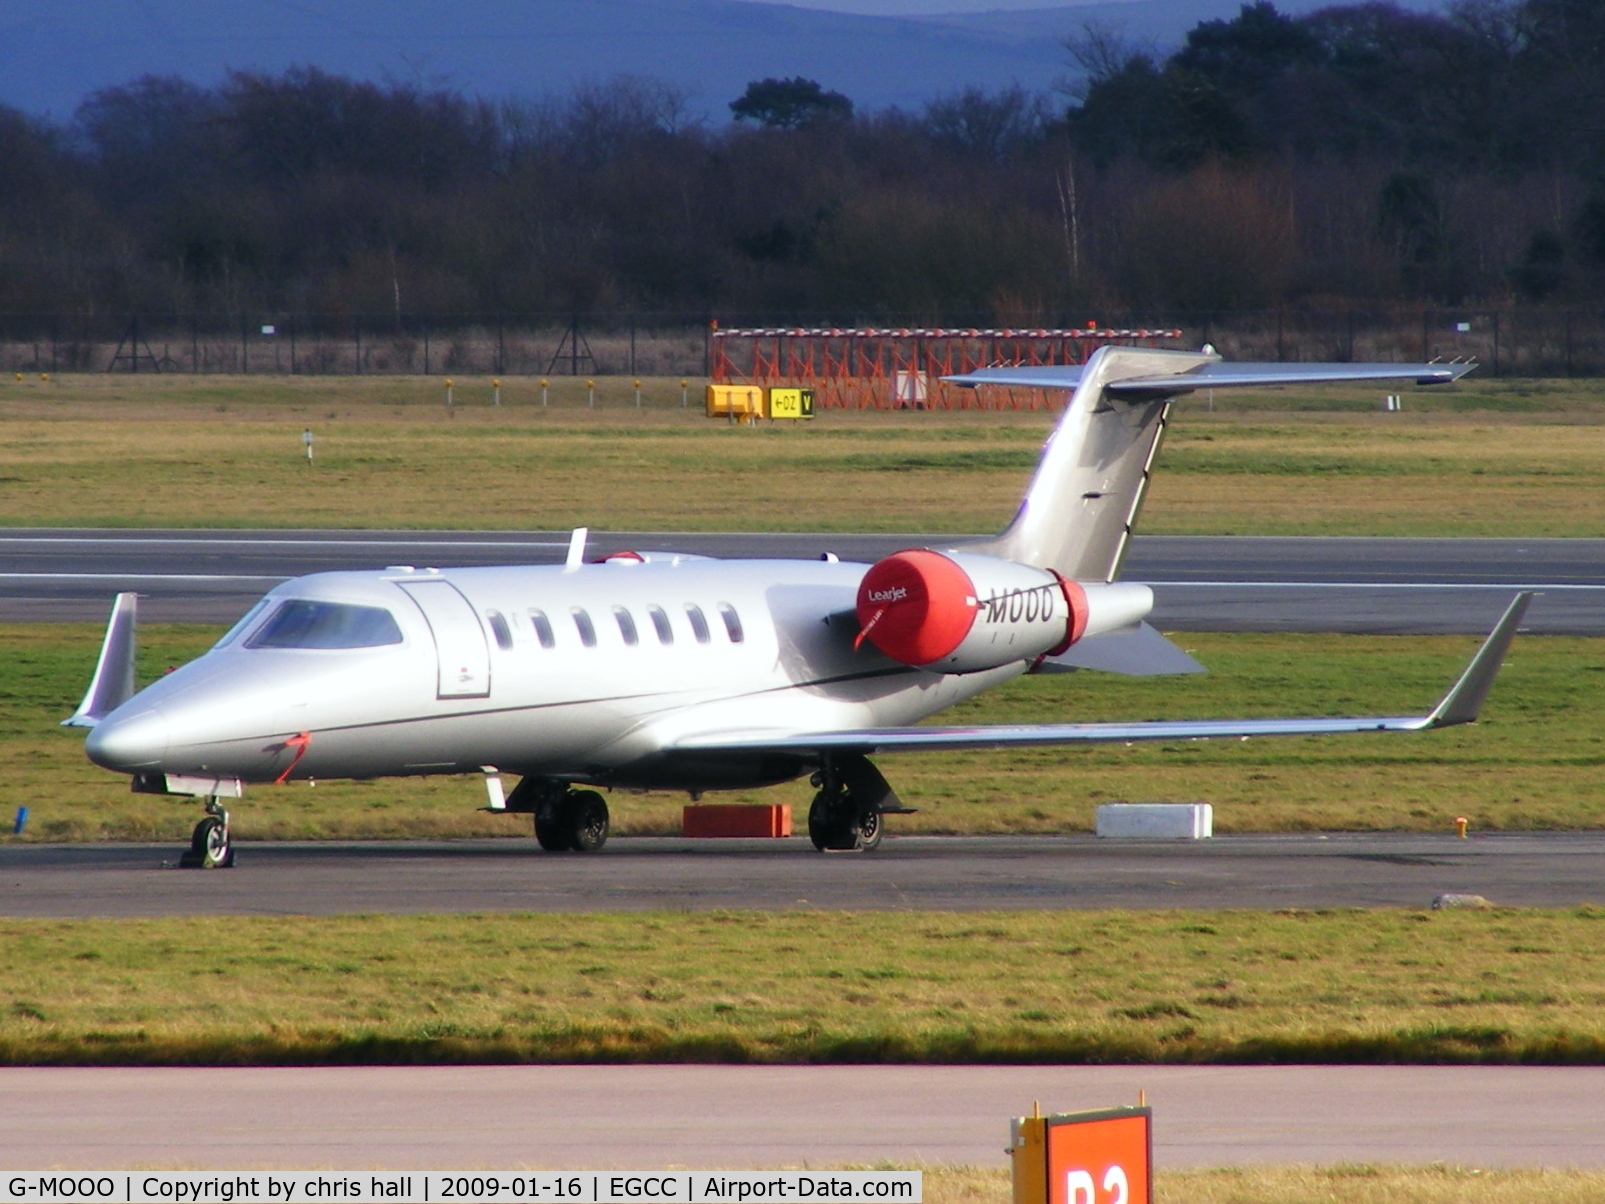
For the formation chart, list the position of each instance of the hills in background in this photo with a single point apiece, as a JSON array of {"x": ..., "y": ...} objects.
[{"x": 53, "y": 55}]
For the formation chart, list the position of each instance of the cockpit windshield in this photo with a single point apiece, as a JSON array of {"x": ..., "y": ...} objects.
[
  {"x": 303, "y": 624},
  {"x": 244, "y": 625}
]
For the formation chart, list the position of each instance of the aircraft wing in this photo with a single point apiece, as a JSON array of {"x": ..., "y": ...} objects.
[
  {"x": 1460, "y": 705},
  {"x": 1216, "y": 375}
]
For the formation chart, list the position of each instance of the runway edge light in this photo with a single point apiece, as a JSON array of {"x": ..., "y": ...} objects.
[{"x": 1100, "y": 1157}]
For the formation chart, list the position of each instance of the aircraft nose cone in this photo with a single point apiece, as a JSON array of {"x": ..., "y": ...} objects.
[{"x": 128, "y": 743}]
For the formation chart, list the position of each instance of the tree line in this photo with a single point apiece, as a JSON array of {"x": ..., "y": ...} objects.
[{"x": 1361, "y": 154}]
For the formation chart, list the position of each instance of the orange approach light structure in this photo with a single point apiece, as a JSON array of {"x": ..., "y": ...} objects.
[
  {"x": 1101, "y": 1157},
  {"x": 874, "y": 369}
]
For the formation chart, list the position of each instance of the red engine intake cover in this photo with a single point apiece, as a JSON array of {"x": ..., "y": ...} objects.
[{"x": 916, "y": 606}]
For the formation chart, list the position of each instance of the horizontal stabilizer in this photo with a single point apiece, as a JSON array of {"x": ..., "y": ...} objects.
[
  {"x": 1460, "y": 705},
  {"x": 1247, "y": 376},
  {"x": 113, "y": 682},
  {"x": 1050, "y": 376},
  {"x": 1217, "y": 374},
  {"x": 1135, "y": 651}
]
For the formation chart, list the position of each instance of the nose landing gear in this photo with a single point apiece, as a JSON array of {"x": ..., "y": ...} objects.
[{"x": 210, "y": 847}]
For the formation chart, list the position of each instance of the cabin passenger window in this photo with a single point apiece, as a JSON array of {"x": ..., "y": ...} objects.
[
  {"x": 626, "y": 625},
  {"x": 660, "y": 620},
  {"x": 499, "y": 628},
  {"x": 732, "y": 621},
  {"x": 699, "y": 625},
  {"x": 543, "y": 628},
  {"x": 306, "y": 624},
  {"x": 582, "y": 624}
]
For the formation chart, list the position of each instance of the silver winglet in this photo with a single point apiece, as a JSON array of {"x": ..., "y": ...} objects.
[
  {"x": 1464, "y": 700},
  {"x": 113, "y": 682}
]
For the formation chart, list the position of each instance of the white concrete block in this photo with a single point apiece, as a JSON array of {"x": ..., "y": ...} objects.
[
  {"x": 1452, "y": 900},
  {"x": 1156, "y": 821}
]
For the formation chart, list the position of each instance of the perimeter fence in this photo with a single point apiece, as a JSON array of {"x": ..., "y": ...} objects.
[{"x": 1525, "y": 342}]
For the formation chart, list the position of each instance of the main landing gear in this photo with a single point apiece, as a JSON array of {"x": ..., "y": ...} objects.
[
  {"x": 566, "y": 820},
  {"x": 209, "y": 845},
  {"x": 847, "y": 812},
  {"x": 837, "y": 823}
]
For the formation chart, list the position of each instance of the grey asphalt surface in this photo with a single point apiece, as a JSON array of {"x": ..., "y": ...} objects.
[
  {"x": 605, "y": 1117},
  {"x": 1404, "y": 586},
  {"x": 905, "y": 874}
]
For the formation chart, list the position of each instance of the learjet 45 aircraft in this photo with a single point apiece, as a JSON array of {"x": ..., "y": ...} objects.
[{"x": 658, "y": 671}]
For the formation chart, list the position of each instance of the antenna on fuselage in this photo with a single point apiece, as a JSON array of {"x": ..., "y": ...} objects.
[{"x": 576, "y": 549}]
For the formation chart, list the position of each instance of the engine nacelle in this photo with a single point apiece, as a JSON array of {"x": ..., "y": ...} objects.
[{"x": 952, "y": 612}]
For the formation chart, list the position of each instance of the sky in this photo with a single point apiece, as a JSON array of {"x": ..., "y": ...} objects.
[
  {"x": 922, "y": 8},
  {"x": 54, "y": 53}
]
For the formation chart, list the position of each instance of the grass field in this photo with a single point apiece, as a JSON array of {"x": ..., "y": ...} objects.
[
  {"x": 1532, "y": 762},
  {"x": 1307, "y": 1185},
  {"x": 1485, "y": 458},
  {"x": 1493, "y": 987}
]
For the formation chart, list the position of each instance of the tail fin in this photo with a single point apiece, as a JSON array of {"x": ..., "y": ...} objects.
[{"x": 1078, "y": 514}]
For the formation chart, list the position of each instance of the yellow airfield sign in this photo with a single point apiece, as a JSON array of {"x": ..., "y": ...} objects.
[{"x": 791, "y": 403}]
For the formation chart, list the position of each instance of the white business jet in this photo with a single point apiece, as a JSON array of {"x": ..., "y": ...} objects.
[{"x": 660, "y": 671}]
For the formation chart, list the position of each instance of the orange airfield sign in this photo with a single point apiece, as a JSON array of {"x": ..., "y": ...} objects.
[
  {"x": 1101, "y": 1157},
  {"x": 1104, "y": 1161}
]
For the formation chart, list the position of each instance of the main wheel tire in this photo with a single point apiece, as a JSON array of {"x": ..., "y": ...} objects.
[
  {"x": 588, "y": 821},
  {"x": 821, "y": 831},
  {"x": 209, "y": 844},
  {"x": 870, "y": 829},
  {"x": 830, "y": 824},
  {"x": 552, "y": 830}
]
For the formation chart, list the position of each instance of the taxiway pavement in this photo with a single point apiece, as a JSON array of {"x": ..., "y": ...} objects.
[
  {"x": 605, "y": 1117},
  {"x": 1204, "y": 583},
  {"x": 906, "y": 874}
]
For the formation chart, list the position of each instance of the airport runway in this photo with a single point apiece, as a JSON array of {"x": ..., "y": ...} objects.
[
  {"x": 906, "y": 874},
  {"x": 658, "y": 1117},
  {"x": 1201, "y": 583}
]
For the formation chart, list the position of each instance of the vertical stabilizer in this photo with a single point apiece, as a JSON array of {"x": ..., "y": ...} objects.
[{"x": 1078, "y": 514}]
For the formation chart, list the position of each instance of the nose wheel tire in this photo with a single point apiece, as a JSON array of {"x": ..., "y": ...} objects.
[
  {"x": 575, "y": 822},
  {"x": 210, "y": 847}
]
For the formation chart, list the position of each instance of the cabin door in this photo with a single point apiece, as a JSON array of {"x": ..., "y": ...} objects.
[{"x": 460, "y": 648}]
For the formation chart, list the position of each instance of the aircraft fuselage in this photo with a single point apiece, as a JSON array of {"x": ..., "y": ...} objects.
[{"x": 587, "y": 674}]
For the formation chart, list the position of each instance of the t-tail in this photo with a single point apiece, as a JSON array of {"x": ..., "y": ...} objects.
[{"x": 1079, "y": 514}]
